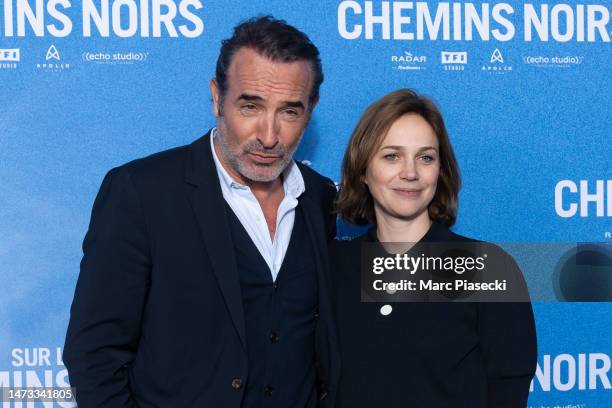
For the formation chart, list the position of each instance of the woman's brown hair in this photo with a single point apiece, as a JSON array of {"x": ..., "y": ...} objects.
[{"x": 355, "y": 203}]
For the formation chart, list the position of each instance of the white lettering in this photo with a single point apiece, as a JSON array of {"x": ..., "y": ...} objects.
[
  {"x": 586, "y": 198},
  {"x": 144, "y": 18},
  {"x": 342, "y": 29},
  {"x": 61, "y": 17},
  {"x": 398, "y": 20},
  {"x": 599, "y": 372},
  {"x": 101, "y": 20},
  {"x": 132, "y": 11},
  {"x": 580, "y": 23},
  {"x": 433, "y": 27},
  {"x": 160, "y": 18},
  {"x": 599, "y": 24},
  {"x": 8, "y": 18},
  {"x": 472, "y": 18},
  {"x": 539, "y": 24},
  {"x": 565, "y": 371},
  {"x": 383, "y": 20},
  {"x": 507, "y": 24},
  {"x": 33, "y": 381},
  {"x": 573, "y": 208},
  {"x": 571, "y": 372},
  {"x": 555, "y": 17},
  {"x": 198, "y": 24},
  {"x": 24, "y": 11}
]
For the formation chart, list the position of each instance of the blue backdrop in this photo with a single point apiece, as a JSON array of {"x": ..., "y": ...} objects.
[{"x": 524, "y": 87}]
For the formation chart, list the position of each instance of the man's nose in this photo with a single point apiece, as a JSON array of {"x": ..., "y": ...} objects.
[{"x": 269, "y": 130}]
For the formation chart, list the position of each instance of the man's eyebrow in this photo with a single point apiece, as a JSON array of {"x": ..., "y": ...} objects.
[
  {"x": 255, "y": 98},
  {"x": 294, "y": 104},
  {"x": 248, "y": 97}
]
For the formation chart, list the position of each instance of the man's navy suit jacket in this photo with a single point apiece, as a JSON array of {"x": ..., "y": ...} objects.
[{"x": 157, "y": 317}]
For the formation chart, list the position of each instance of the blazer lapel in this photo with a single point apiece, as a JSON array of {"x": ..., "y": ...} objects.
[
  {"x": 315, "y": 224},
  {"x": 209, "y": 208}
]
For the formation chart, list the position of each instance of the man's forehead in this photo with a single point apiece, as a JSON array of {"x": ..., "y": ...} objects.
[{"x": 253, "y": 74}]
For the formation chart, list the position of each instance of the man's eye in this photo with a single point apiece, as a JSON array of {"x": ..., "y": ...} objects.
[
  {"x": 249, "y": 109},
  {"x": 291, "y": 114}
]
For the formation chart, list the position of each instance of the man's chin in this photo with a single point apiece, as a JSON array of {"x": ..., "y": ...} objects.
[{"x": 262, "y": 173}]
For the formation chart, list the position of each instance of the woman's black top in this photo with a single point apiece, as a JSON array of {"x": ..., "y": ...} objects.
[{"x": 428, "y": 354}]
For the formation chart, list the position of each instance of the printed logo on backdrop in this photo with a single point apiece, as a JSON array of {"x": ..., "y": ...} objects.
[
  {"x": 584, "y": 273},
  {"x": 52, "y": 54},
  {"x": 496, "y": 64},
  {"x": 469, "y": 21},
  {"x": 559, "y": 61},
  {"x": 453, "y": 60},
  {"x": 409, "y": 61},
  {"x": 115, "y": 58},
  {"x": 9, "y": 57},
  {"x": 497, "y": 57},
  {"x": 53, "y": 61}
]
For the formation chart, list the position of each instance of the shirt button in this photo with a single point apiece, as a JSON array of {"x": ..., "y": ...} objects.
[
  {"x": 236, "y": 383},
  {"x": 268, "y": 391},
  {"x": 274, "y": 337}
]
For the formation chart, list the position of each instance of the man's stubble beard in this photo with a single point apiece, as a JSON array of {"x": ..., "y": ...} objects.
[{"x": 235, "y": 156}]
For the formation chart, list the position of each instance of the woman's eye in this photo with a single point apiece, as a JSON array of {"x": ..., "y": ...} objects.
[
  {"x": 391, "y": 156},
  {"x": 428, "y": 159}
]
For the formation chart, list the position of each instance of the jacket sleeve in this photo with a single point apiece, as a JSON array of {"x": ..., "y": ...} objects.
[
  {"x": 509, "y": 345},
  {"x": 111, "y": 290}
]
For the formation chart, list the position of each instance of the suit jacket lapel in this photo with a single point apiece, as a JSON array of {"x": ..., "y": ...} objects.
[
  {"x": 315, "y": 223},
  {"x": 209, "y": 208}
]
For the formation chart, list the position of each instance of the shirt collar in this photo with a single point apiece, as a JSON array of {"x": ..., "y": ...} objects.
[{"x": 293, "y": 181}]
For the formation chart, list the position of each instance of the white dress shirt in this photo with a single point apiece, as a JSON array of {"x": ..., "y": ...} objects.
[{"x": 246, "y": 207}]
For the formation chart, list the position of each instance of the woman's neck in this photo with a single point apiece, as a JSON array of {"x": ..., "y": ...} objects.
[{"x": 392, "y": 229}]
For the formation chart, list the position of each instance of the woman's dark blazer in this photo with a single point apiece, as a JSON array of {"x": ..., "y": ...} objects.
[{"x": 428, "y": 354}]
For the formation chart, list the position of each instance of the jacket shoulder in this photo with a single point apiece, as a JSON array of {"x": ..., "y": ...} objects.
[
  {"x": 461, "y": 238},
  {"x": 314, "y": 179},
  {"x": 159, "y": 164}
]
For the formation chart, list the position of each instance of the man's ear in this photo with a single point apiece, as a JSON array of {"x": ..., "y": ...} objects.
[
  {"x": 215, "y": 92},
  {"x": 313, "y": 104}
]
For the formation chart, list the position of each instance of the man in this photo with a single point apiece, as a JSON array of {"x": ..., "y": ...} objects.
[{"x": 204, "y": 279}]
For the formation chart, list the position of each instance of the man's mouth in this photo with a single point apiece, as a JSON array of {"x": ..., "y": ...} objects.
[{"x": 264, "y": 158}]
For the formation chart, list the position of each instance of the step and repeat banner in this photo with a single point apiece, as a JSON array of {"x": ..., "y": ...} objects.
[{"x": 524, "y": 88}]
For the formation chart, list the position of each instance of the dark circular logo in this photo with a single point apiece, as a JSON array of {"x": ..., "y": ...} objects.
[{"x": 584, "y": 274}]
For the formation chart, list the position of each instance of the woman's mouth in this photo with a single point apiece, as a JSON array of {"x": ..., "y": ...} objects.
[{"x": 408, "y": 192}]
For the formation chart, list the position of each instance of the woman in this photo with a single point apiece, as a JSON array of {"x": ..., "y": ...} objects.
[{"x": 401, "y": 176}]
